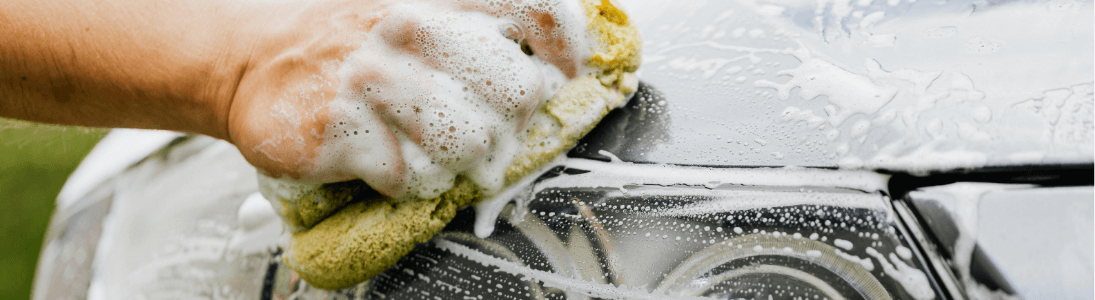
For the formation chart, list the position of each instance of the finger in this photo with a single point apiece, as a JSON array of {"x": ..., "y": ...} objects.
[
  {"x": 495, "y": 72},
  {"x": 437, "y": 114},
  {"x": 449, "y": 127},
  {"x": 555, "y": 30},
  {"x": 359, "y": 142},
  {"x": 439, "y": 130}
]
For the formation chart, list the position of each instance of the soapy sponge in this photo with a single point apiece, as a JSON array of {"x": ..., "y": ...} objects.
[{"x": 345, "y": 233}]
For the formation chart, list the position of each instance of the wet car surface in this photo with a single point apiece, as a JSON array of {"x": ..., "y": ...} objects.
[{"x": 775, "y": 150}]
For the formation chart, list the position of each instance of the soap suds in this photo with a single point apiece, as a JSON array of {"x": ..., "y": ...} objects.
[
  {"x": 914, "y": 281},
  {"x": 843, "y": 244},
  {"x": 258, "y": 226},
  {"x": 851, "y": 93},
  {"x": 482, "y": 100},
  {"x": 552, "y": 280},
  {"x": 963, "y": 201},
  {"x": 862, "y": 261}
]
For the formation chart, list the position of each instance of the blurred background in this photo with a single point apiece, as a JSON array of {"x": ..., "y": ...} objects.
[{"x": 35, "y": 160}]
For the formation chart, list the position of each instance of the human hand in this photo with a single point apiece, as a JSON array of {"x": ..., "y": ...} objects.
[
  {"x": 414, "y": 95},
  {"x": 289, "y": 83},
  {"x": 403, "y": 95}
]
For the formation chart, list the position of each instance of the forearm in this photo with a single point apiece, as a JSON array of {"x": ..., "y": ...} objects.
[{"x": 162, "y": 64}]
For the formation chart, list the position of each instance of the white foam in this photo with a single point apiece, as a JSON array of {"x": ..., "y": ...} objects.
[
  {"x": 903, "y": 252},
  {"x": 852, "y": 93},
  {"x": 457, "y": 100},
  {"x": 611, "y": 157},
  {"x": 871, "y": 19},
  {"x": 620, "y": 174},
  {"x": 963, "y": 201},
  {"x": 254, "y": 212},
  {"x": 843, "y": 244},
  {"x": 914, "y": 281},
  {"x": 552, "y": 280},
  {"x": 862, "y": 261},
  {"x": 259, "y": 226},
  {"x": 487, "y": 211}
]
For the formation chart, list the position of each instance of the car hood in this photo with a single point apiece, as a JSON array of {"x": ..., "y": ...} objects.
[{"x": 909, "y": 86}]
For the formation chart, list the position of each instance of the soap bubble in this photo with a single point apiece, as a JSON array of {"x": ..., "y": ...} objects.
[{"x": 511, "y": 31}]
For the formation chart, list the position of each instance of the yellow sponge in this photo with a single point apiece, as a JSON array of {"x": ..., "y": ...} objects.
[{"x": 345, "y": 233}]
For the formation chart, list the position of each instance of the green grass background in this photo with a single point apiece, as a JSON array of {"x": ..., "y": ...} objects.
[{"x": 35, "y": 160}]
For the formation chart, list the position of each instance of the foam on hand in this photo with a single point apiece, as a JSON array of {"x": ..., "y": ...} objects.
[{"x": 445, "y": 104}]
